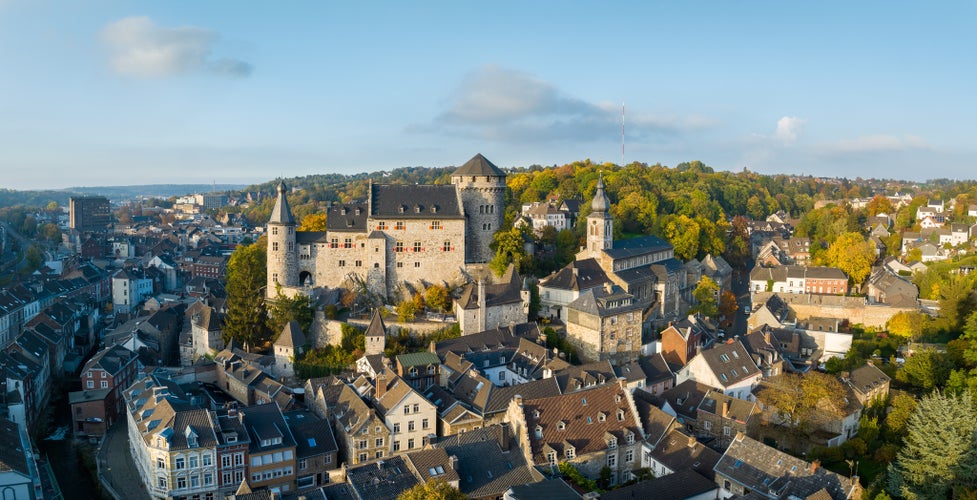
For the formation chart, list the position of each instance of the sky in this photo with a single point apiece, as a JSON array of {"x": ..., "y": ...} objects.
[{"x": 105, "y": 92}]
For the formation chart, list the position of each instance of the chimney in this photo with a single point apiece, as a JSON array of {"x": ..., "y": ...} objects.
[
  {"x": 518, "y": 399},
  {"x": 504, "y": 437},
  {"x": 691, "y": 441},
  {"x": 453, "y": 459},
  {"x": 766, "y": 337},
  {"x": 433, "y": 347},
  {"x": 815, "y": 465},
  {"x": 726, "y": 408},
  {"x": 576, "y": 272},
  {"x": 381, "y": 384}
]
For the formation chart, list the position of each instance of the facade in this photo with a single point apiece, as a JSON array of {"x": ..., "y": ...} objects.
[
  {"x": 115, "y": 369},
  {"x": 483, "y": 306},
  {"x": 401, "y": 233},
  {"x": 606, "y": 325},
  {"x": 129, "y": 289},
  {"x": 271, "y": 452},
  {"x": 799, "y": 279},
  {"x": 316, "y": 452},
  {"x": 89, "y": 213},
  {"x": 410, "y": 417}
]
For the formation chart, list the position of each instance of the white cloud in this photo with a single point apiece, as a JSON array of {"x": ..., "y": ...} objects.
[
  {"x": 789, "y": 128},
  {"x": 140, "y": 48},
  {"x": 497, "y": 103},
  {"x": 878, "y": 143}
]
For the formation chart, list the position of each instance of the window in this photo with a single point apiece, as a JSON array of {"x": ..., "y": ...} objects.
[
  {"x": 399, "y": 246},
  {"x": 400, "y": 265},
  {"x": 379, "y": 454},
  {"x": 417, "y": 246},
  {"x": 161, "y": 483},
  {"x": 570, "y": 453},
  {"x": 362, "y": 445},
  {"x": 382, "y": 226},
  {"x": 424, "y": 424},
  {"x": 397, "y": 445},
  {"x": 539, "y": 432},
  {"x": 208, "y": 479},
  {"x": 397, "y": 427},
  {"x": 238, "y": 459},
  {"x": 362, "y": 457},
  {"x": 620, "y": 415},
  {"x": 611, "y": 460},
  {"x": 160, "y": 463},
  {"x": 630, "y": 438},
  {"x": 181, "y": 483},
  {"x": 399, "y": 225},
  {"x": 707, "y": 425},
  {"x": 410, "y": 427},
  {"x": 225, "y": 460},
  {"x": 359, "y": 263},
  {"x": 551, "y": 458},
  {"x": 274, "y": 246},
  {"x": 348, "y": 243},
  {"x": 207, "y": 460},
  {"x": 194, "y": 462},
  {"x": 91, "y": 384},
  {"x": 194, "y": 481},
  {"x": 181, "y": 463},
  {"x": 226, "y": 478},
  {"x": 379, "y": 442},
  {"x": 334, "y": 243},
  {"x": 601, "y": 417},
  {"x": 274, "y": 231},
  {"x": 629, "y": 456},
  {"x": 436, "y": 224},
  {"x": 417, "y": 407},
  {"x": 725, "y": 430},
  {"x": 446, "y": 247},
  {"x": 410, "y": 444},
  {"x": 417, "y": 264}
]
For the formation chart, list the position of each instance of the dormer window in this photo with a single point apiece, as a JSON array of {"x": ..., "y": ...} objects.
[
  {"x": 612, "y": 443},
  {"x": 417, "y": 209},
  {"x": 570, "y": 452},
  {"x": 630, "y": 438},
  {"x": 620, "y": 415},
  {"x": 601, "y": 417},
  {"x": 403, "y": 209},
  {"x": 562, "y": 425},
  {"x": 539, "y": 432},
  {"x": 535, "y": 413}
]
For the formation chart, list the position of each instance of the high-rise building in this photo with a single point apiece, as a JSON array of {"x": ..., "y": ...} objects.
[{"x": 89, "y": 213}]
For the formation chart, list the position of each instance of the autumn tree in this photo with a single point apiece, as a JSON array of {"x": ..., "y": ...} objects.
[
  {"x": 434, "y": 489},
  {"x": 313, "y": 222},
  {"x": 803, "y": 401},
  {"x": 728, "y": 306},
  {"x": 938, "y": 458},
  {"x": 406, "y": 310},
  {"x": 683, "y": 233},
  {"x": 907, "y": 325},
  {"x": 437, "y": 297},
  {"x": 705, "y": 294},
  {"x": 247, "y": 318},
  {"x": 879, "y": 204},
  {"x": 853, "y": 254}
]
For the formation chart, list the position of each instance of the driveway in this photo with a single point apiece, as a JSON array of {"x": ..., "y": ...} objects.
[{"x": 117, "y": 465}]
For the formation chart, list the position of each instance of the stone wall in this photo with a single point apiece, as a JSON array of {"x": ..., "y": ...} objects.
[
  {"x": 854, "y": 309},
  {"x": 329, "y": 331}
]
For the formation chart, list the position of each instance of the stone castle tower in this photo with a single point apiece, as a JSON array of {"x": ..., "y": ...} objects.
[
  {"x": 600, "y": 225},
  {"x": 481, "y": 186},
  {"x": 282, "y": 259}
]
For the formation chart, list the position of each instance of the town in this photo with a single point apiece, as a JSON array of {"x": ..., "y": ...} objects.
[{"x": 577, "y": 331}]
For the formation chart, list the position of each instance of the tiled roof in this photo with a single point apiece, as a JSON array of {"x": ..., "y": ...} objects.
[
  {"x": 580, "y": 419},
  {"x": 579, "y": 377}
]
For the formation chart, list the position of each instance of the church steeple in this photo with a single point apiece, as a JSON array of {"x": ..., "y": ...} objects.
[
  {"x": 600, "y": 225},
  {"x": 281, "y": 214},
  {"x": 601, "y": 202}
]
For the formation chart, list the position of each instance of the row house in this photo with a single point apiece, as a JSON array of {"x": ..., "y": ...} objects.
[
  {"x": 115, "y": 369},
  {"x": 411, "y": 418},
  {"x": 799, "y": 279},
  {"x": 209, "y": 267},
  {"x": 316, "y": 451},
  {"x": 272, "y": 457},
  {"x": 361, "y": 434},
  {"x": 130, "y": 288},
  {"x": 26, "y": 387},
  {"x": 232, "y": 451},
  {"x": 721, "y": 417}
]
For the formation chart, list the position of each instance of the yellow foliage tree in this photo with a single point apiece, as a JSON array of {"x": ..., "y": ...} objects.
[
  {"x": 314, "y": 222},
  {"x": 853, "y": 254},
  {"x": 905, "y": 324}
]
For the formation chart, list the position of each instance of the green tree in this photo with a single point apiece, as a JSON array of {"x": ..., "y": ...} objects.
[
  {"x": 434, "y": 489},
  {"x": 925, "y": 369},
  {"x": 285, "y": 309},
  {"x": 853, "y": 254},
  {"x": 705, "y": 294},
  {"x": 247, "y": 316},
  {"x": 939, "y": 454},
  {"x": 509, "y": 249},
  {"x": 683, "y": 233},
  {"x": 34, "y": 257},
  {"x": 406, "y": 310},
  {"x": 901, "y": 407}
]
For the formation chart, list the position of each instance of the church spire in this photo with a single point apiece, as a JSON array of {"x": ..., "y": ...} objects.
[
  {"x": 601, "y": 202},
  {"x": 281, "y": 214}
]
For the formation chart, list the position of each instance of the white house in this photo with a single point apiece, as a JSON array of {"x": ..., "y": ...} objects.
[{"x": 727, "y": 366}]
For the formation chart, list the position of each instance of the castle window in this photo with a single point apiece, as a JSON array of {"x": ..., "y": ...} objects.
[
  {"x": 376, "y": 265},
  {"x": 417, "y": 246},
  {"x": 274, "y": 246},
  {"x": 359, "y": 263},
  {"x": 399, "y": 246},
  {"x": 436, "y": 224},
  {"x": 291, "y": 246},
  {"x": 400, "y": 265},
  {"x": 348, "y": 243},
  {"x": 399, "y": 225},
  {"x": 274, "y": 277},
  {"x": 481, "y": 209},
  {"x": 381, "y": 226},
  {"x": 334, "y": 243},
  {"x": 274, "y": 231},
  {"x": 417, "y": 264},
  {"x": 342, "y": 263},
  {"x": 446, "y": 247}
]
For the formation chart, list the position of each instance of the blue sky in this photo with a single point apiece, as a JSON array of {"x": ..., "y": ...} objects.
[{"x": 107, "y": 92}]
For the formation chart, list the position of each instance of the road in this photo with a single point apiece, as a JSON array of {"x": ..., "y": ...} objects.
[
  {"x": 22, "y": 242},
  {"x": 741, "y": 287}
]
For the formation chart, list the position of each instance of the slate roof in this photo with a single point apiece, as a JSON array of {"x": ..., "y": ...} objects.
[
  {"x": 382, "y": 479},
  {"x": 347, "y": 217},
  {"x": 637, "y": 246},
  {"x": 684, "y": 398},
  {"x": 291, "y": 336},
  {"x": 13, "y": 457},
  {"x": 266, "y": 422},
  {"x": 550, "y": 489},
  {"x": 867, "y": 377},
  {"x": 685, "y": 483},
  {"x": 281, "y": 213},
  {"x": 579, "y": 377},
  {"x": 599, "y": 302},
  {"x": 313, "y": 435},
  {"x": 577, "y": 275},
  {"x": 485, "y": 468},
  {"x": 654, "y": 420},
  {"x": 507, "y": 291},
  {"x": 415, "y": 201},
  {"x": 479, "y": 165},
  {"x": 489, "y": 339},
  {"x": 679, "y": 451},
  {"x": 730, "y": 362},
  {"x": 761, "y": 468},
  {"x": 376, "y": 327},
  {"x": 740, "y": 410},
  {"x": 431, "y": 464}
]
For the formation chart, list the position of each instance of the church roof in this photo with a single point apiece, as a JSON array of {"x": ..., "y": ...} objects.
[
  {"x": 291, "y": 336},
  {"x": 479, "y": 165},
  {"x": 281, "y": 214}
]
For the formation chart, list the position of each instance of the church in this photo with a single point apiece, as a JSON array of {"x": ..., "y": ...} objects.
[{"x": 413, "y": 234}]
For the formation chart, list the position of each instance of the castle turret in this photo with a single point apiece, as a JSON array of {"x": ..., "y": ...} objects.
[
  {"x": 481, "y": 186},
  {"x": 600, "y": 225},
  {"x": 282, "y": 260}
]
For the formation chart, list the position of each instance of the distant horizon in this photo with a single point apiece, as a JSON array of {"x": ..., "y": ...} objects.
[{"x": 141, "y": 92}]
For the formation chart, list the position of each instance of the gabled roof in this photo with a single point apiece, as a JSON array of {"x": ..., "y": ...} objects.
[
  {"x": 112, "y": 359},
  {"x": 383, "y": 479},
  {"x": 489, "y": 462},
  {"x": 313, "y": 436},
  {"x": 577, "y": 275},
  {"x": 678, "y": 451},
  {"x": 414, "y": 201},
  {"x": 730, "y": 362},
  {"x": 479, "y": 165},
  {"x": 684, "y": 483},
  {"x": 684, "y": 398},
  {"x": 13, "y": 456}
]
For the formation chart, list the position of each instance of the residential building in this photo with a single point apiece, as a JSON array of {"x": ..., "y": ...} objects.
[
  {"x": 411, "y": 418},
  {"x": 606, "y": 325},
  {"x": 89, "y": 213},
  {"x": 271, "y": 452},
  {"x": 727, "y": 366},
  {"x": 721, "y": 417},
  {"x": 316, "y": 451}
]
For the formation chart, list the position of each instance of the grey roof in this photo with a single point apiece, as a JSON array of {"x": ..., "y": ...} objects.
[
  {"x": 347, "y": 217},
  {"x": 281, "y": 214},
  {"x": 376, "y": 328},
  {"x": 601, "y": 203},
  {"x": 12, "y": 454},
  {"x": 764, "y": 469},
  {"x": 678, "y": 451},
  {"x": 654, "y": 420},
  {"x": 685, "y": 483},
  {"x": 485, "y": 469},
  {"x": 507, "y": 291},
  {"x": 479, "y": 165},
  {"x": 550, "y": 489},
  {"x": 599, "y": 302},
  {"x": 266, "y": 422},
  {"x": 577, "y": 275},
  {"x": 730, "y": 362},
  {"x": 313, "y": 435},
  {"x": 684, "y": 398},
  {"x": 867, "y": 377},
  {"x": 291, "y": 336},
  {"x": 382, "y": 479},
  {"x": 416, "y": 201},
  {"x": 637, "y": 246}
]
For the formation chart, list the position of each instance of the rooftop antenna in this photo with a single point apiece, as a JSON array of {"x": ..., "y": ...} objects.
[{"x": 622, "y": 133}]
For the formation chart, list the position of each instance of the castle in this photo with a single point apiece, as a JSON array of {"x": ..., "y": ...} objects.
[{"x": 399, "y": 234}]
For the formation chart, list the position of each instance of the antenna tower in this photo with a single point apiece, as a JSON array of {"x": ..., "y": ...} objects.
[{"x": 622, "y": 133}]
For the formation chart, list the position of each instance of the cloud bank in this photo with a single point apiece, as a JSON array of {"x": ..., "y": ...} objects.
[
  {"x": 789, "y": 128},
  {"x": 495, "y": 103},
  {"x": 139, "y": 48}
]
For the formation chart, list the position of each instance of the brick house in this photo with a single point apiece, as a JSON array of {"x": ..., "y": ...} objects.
[{"x": 113, "y": 368}]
